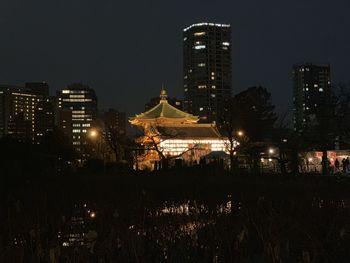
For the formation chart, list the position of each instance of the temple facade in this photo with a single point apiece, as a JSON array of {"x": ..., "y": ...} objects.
[{"x": 170, "y": 134}]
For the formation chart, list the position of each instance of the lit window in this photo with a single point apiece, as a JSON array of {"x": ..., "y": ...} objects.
[
  {"x": 201, "y": 65},
  {"x": 213, "y": 87},
  {"x": 316, "y": 85},
  {"x": 199, "y": 34},
  {"x": 199, "y": 47},
  {"x": 201, "y": 109},
  {"x": 185, "y": 38},
  {"x": 226, "y": 44},
  {"x": 186, "y": 90},
  {"x": 320, "y": 89},
  {"x": 202, "y": 86},
  {"x": 213, "y": 95}
]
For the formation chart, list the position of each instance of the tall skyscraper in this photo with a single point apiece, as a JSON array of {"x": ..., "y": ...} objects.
[
  {"x": 312, "y": 89},
  {"x": 77, "y": 109},
  {"x": 207, "y": 69}
]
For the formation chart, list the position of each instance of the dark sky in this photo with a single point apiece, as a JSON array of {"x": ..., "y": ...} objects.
[{"x": 125, "y": 50}]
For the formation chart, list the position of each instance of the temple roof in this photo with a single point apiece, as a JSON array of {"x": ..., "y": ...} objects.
[
  {"x": 192, "y": 131},
  {"x": 164, "y": 112}
]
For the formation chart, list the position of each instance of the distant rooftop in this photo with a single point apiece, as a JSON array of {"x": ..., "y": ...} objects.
[
  {"x": 164, "y": 111},
  {"x": 206, "y": 24}
]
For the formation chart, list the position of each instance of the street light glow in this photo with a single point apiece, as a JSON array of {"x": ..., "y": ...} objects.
[
  {"x": 240, "y": 133},
  {"x": 92, "y": 214},
  {"x": 93, "y": 133},
  {"x": 271, "y": 151}
]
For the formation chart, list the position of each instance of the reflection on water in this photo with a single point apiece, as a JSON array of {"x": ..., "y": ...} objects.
[
  {"x": 323, "y": 203},
  {"x": 78, "y": 230},
  {"x": 181, "y": 222},
  {"x": 224, "y": 229}
]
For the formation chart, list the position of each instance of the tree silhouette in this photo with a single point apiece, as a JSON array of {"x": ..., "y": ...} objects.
[
  {"x": 251, "y": 112},
  {"x": 152, "y": 142}
]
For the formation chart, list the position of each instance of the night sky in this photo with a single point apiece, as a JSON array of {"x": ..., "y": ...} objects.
[{"x": 125, "y": 50}]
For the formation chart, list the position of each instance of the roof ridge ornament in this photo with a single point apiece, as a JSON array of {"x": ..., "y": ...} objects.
[{"x": 163, "y": 94}]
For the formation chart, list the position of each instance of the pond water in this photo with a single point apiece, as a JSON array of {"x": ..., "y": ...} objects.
[
  {"x": 211, "y": 223},
  {"x": 196, "y": 231}
]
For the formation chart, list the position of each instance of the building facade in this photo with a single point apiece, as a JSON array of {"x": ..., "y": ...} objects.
[
  {"x": 44, "y": 117},
  {"x": 311, "y": 90},
  {"x": 111, "y": 127},
  {"x": 114, "y": 120},
  {"x": 207, "y": 69},
  {"x": 22, "y": 110},
  {"x": 77, "y": 109}
]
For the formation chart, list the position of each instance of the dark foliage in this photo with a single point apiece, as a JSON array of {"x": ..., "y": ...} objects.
[
  {"x": 52, "y": 156},
  {"x": 251, "y": 111}
]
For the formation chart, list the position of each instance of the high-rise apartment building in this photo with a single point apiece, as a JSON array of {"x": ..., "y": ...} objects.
[
  {"x": 207, "y": 69},
  {"x": 77, "y": 109},
  {"x": 19, "y": 111},
  {"x": 311, "y": 90}
]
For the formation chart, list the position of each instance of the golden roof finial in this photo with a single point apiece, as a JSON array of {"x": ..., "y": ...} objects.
[{"x": 163, "y": 94}]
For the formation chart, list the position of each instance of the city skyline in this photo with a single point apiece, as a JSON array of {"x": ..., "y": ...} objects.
[
  {"x": 81, "y": 42},
  {"x": 174, "y": 131}
]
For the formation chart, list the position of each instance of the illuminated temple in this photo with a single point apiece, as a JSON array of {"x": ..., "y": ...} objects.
[{"x": 169, "y": 133}]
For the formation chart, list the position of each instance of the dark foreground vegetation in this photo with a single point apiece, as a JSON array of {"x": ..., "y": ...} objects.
[{"x": 169, "y": 217}]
